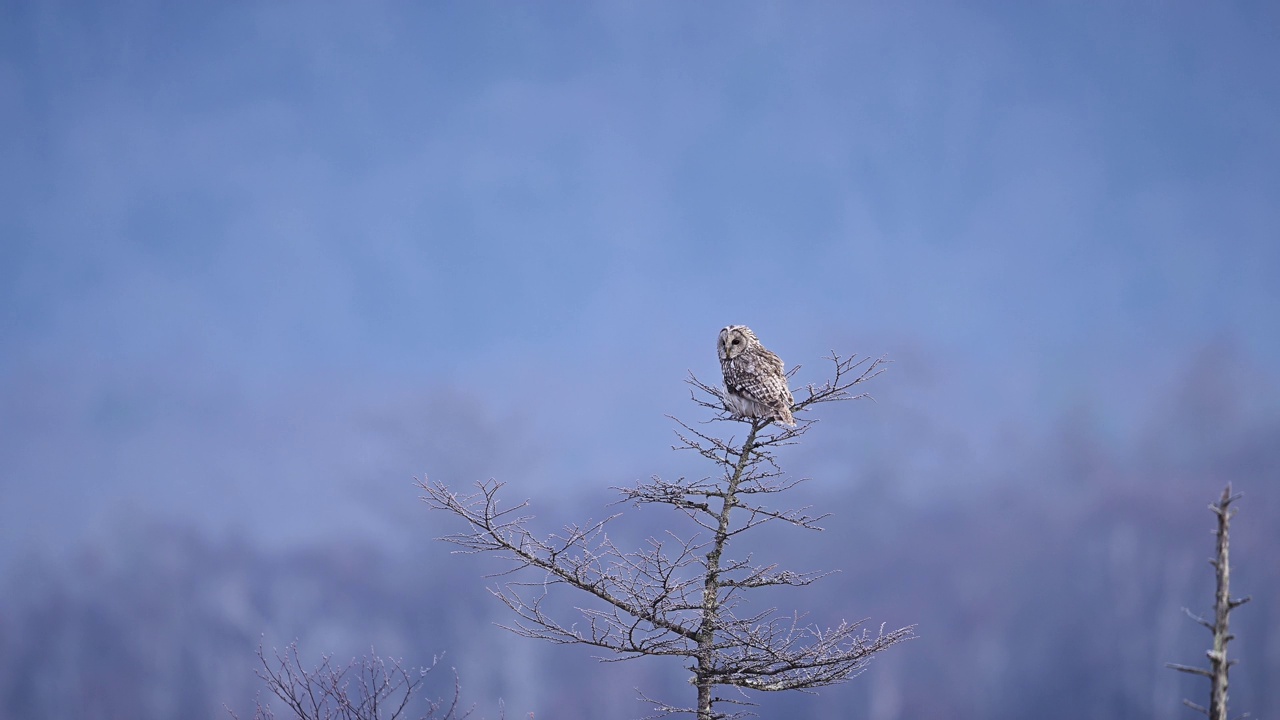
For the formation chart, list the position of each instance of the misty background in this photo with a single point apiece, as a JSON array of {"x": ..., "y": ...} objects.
[{"x": 264, "y": 264}]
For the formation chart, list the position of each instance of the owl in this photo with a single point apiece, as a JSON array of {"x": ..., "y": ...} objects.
[{"x": 753, "y": 377}]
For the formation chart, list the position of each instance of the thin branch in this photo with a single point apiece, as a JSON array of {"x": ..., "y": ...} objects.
[
  {"x": 371, "y": 688},
  {"x": 679, "y": 595},
  {"x": 1189, "y": 669},
  {"x": 1195, "y": 707},
  {"x": 1198, "y": 619}
]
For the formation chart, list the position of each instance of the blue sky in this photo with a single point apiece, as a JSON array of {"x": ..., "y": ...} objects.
[{"x": 257, "y": 258}]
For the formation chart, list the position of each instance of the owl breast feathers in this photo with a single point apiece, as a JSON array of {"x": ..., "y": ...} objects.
[{"x": 754, "y": 381}]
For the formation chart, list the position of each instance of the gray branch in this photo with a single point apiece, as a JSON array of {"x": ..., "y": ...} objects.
[
  {"x": 682, "y": 595},
  {"x": 1219, "y": 663}
]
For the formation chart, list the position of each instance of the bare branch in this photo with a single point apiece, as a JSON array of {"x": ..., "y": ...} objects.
[
  {"x": 1219, "y": 663},
  {"x": 371, "y": 688},
  {"x": 1195, "y": 707},
  {"x": 1198, "y": 619},
  {"x": 680, "y": 595},
  {"x": 1189, "y": 669}
]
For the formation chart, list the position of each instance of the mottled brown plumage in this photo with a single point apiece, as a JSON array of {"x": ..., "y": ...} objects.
[{"x": 753, "y": 377}]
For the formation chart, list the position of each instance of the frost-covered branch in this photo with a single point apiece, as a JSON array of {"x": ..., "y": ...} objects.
[{"x": 683, "y": 594}]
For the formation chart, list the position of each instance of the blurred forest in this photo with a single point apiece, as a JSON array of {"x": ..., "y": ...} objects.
[
  {"x": 1051, "y": 586},
  {"x": 261, "y": 264}
]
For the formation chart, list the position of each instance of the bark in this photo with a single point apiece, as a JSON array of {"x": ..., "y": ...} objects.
[{"x": 1219, "y": 663}]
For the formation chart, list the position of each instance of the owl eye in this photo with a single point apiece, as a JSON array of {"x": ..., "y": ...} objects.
[{"x": 737, "y": 341}]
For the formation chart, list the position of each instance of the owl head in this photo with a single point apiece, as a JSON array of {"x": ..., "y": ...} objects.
[{"x": 735, "y": 340}]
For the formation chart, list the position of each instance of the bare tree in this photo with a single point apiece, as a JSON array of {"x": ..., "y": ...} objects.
[
  {"x": 683, "y": 595},
  {"x": 1219, "y": 665},
  {"x": 365, "y": 689}
]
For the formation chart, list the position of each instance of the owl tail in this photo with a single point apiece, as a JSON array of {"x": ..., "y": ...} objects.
[{"x": 784, "y": 417}]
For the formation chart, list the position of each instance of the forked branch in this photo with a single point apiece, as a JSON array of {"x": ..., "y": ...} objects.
[
  {"x": 683, "y": 595},
  {"x": 371, "y": 688}
]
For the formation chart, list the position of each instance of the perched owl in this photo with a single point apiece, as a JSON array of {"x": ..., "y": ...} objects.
[{"x": 753, "y": 377}]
